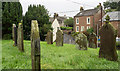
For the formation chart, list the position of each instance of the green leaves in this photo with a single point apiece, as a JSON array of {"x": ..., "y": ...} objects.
[{"x": 40, "y": 14}]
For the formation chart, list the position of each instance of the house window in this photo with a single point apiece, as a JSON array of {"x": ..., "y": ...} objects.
[
  {"x": 77, "y": 28},
  {"x": 88, "y": 20},
  {"x": 82, "y": 28},
  {"x": 77, "y": 20},
  {"x": 88, "y": 27}
]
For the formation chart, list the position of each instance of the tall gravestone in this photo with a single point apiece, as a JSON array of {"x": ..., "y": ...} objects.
[
  {"x": 59, "y": 38},
  {"x": 35, "y": 46},
  {"x": 20, "y": 43},
  {"x": 49, "y": 37},
  {"x": 14, "y": 34},
  {"x": 92, "y": 40},
  {"x": 108, "y": 41},
  {"x": 81, "y": 41}
]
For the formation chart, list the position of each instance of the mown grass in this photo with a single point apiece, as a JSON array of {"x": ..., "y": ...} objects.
[{"x": 52, "y": 57}]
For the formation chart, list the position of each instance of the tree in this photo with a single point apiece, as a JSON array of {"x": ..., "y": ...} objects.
[
  {"x": 40, "y": 14},
  {"x": 11, "y": 14},
  {"x": 118, "y": 8},
  {"x": 69, "y": 22}
]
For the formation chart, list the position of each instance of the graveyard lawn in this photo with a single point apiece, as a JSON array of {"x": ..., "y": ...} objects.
[{"x": 52, "y": 57}]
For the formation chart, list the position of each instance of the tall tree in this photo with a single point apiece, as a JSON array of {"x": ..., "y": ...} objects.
[
  {"x": 11, "y": 14},
  {"x": 40, "y": 14},
  {"x": 69, "y": 22}
]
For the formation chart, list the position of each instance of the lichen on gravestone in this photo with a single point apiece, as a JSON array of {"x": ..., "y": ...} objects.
[
  {"x": 81, "y": 41},
  {"x": 59, "y": 38},
  {"x": 20, "y": 43},
  {"x": 49, "y": 37},
  {"x": 14, "y": 35},
  {"x": 92, "y": 40},
  {"x": 108, "y": 42},
  {"x": 35, "y": 45}
]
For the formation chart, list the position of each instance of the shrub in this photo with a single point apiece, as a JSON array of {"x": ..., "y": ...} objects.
[
  {"x": 66, "y": 28},
  {"x": 7, "y": 36},
  {"x": 118, "y": 45}
]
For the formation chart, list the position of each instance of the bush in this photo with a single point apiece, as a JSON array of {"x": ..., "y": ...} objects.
[
  {"x": 118, "y": 45},
  {"x": 66, "y": 28},
  {"x": 7, "y": 36}
]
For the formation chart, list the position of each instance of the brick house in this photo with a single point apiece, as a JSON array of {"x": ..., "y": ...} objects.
[
  {"x": 114, "y": 20},
  {"x": 86, "y": 19}
]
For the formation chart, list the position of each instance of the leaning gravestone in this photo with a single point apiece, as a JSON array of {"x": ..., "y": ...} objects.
[
  {"x": 92, "y": 40},
  {"x": 49, "y": 37},
  {"x": 59, "y": 38},
  {"x": 108, "y": 41},
  {"x": 81, "y": 41},
  {"x": 35, "y": 46},
  {"x": 20, "y": 37},
  {"x": 14, "y": 34}
]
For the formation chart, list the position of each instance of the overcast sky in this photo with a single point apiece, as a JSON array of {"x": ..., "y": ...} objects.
[{"x": 62, "y": 7}]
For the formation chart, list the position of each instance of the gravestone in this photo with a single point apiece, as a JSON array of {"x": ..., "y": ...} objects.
[
  {"x": 68, "y": 39},
  {"x": 81, "y": 41},
  {"x": 59, "y": 38},
  {"x": 20, "y": 37},
  {"x": 35, "y": 46},
  {"x": 49, "y": 37},
  {"x": 108, "y": 41},
  {"x": 14, "y": 34},
  {"x": 92, "y": 40}
]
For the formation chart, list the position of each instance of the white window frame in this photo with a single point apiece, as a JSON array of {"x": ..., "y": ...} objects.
[
  {"x": 87, "y": 20},
  {"x": 88, "y": 27},
  {"x": 77, "y": 30},
  {"x": 82, "y": 28},
  {"x": 77, "y": 19}
]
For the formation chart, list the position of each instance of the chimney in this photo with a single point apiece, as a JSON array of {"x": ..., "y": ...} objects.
[
  {"x": 55, "y": 15},
  {"x": 81, "y": 8}
]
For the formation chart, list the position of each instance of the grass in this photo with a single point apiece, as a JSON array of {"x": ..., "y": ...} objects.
[{"x": 52, "y": 57}]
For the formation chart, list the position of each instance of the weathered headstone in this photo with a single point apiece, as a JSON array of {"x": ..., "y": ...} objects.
[
  {"x": 108, "y": 41},
  {"x": 35, "y": 46},
  {"x": 49, "y": 37},
  {"x": 20, "y": 43},
  {"x": 59, "y": 38},
  {"x": 14, "y": 34},
  {"x": 92, "y": 40},
  {"x": 81, "y": 41}
]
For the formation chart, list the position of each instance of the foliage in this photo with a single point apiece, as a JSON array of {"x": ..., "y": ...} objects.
[
  {"x": 118, "y": 45},
  {"x": 11, "y": 14},
  {"x": 66, "y": 28},
  {"x": 40, "y": 14},
  {"x": 69, "y": 22},
  {"x": 90, "y": 30},
  {"x": 52, "y": 57},
  {"x": 114, "y": 6}
]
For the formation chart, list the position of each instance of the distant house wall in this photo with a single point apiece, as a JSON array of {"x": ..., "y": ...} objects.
[
  {"x": 55, "y": 25},
  {"x": 83, "y": 22},
  {"x": 116, "y": 25},
  {"x": 97, "y": 17}
]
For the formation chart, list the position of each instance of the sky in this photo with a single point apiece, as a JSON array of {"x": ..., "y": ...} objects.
[{"x": 62, "y": 7}]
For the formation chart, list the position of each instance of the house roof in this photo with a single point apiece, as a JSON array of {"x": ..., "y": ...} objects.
[
  {"x": 89, "y": 12},
  {"x": 59, "y": 18},
  {"x": 114, "y": 16}
]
